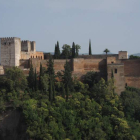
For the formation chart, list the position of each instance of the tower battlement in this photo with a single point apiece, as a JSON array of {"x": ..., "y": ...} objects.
[
  {"x": 8, "y": 39},
  {"x": 25, "y": 42}
]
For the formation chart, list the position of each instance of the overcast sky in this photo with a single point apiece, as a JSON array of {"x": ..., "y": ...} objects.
[{"x": 112, "y": 24}]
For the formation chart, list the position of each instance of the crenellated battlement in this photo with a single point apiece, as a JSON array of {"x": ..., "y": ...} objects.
[
  {"x": 25, "y": 42},
  {"x": 8, "y": 39}
]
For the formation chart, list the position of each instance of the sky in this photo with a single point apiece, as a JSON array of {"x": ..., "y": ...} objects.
[{"x": 112, "y": 24}]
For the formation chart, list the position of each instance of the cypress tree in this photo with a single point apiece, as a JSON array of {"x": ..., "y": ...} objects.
[
  {"x": 35, "y": 81},
  {"x": 73, "y": 50},
  {"x": 31, "y": 77},
  {"x": 90, "y": 51},
  {"x": 55, "y": 52},
  {"x": 50, "y": 72},
  {"x": 67, "y": 79},
  {"x": 63, "y": 91},
  {"x": 58, "y": 50},
  {"x": 50, "y": 90},
  {"x": 67, "y": 93},
  {"x": 41, "y": 74}
]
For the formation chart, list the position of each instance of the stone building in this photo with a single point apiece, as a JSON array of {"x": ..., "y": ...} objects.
[{"x": 14, "y": 52}]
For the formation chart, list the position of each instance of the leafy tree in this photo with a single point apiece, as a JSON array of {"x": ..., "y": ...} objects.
[
  {"x": 15, "y": 79},
  {"x": 77, "y": 47},
  {"x": 91, "y": 78},
  {"x": 133, "y": 57},
  {"x": 66, "y": 51},
  {"x": 90, "y": 51}
]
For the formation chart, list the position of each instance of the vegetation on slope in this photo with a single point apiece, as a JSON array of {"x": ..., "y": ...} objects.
[{"x": 69, "y": 109}]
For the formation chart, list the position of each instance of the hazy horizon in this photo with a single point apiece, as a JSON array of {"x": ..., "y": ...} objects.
[{"x": 111, "y": 24}]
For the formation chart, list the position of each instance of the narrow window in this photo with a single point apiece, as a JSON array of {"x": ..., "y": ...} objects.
[
  {"x": 125, "y": 84},
  {"x": 115, "y": 70},
  {"x": 36, "y": 56}
]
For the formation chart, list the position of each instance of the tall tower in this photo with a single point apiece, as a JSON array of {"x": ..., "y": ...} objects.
[{"x": 10, "y": 49}]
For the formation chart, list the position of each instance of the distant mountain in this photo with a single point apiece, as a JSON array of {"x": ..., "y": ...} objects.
[{"x": 136, "y": 54}]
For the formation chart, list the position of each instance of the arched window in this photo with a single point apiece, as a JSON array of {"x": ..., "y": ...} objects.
[
  {"x": 36, "y": 56},
  {"x": 41, "y": 57},
  {"x": 33, "y": 56}
]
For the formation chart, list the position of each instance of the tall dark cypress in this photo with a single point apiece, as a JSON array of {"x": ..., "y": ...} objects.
[
  {"x": 51, "y": 73},
  {"x": 50, "y": 90},
  {"x": 58, "y": 50},
  {"x": 63, "y": 91},
  {"x": 31, "y": 76},
  {"x": 41, "y": 74},
  {"x": 55, "y": 52},
  {"x": 35, "y": 81},
  {"x": 90, "y": 51},
  {"x": 67, "y": 79},
  {"x": 73, "y": 50}
]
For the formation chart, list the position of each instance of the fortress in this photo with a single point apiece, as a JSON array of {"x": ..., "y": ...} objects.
[{"x": 14, "y": 52}]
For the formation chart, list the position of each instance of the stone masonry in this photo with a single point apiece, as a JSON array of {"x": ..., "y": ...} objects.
[{"x": 14, "y": 52}]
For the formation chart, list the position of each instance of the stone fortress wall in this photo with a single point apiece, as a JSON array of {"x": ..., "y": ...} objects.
[{"x": 14, "y": 52}]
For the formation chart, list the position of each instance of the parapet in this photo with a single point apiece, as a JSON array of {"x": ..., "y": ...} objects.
[
  {"x": 8, "y": 39},
  {"x": 23, "y": 42}
]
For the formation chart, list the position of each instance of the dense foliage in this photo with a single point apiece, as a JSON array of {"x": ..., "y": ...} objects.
[
  {"x": 133, "y": 57},
  {"x": 67, "y": 51},
  {"x": 88, "y": 110}
]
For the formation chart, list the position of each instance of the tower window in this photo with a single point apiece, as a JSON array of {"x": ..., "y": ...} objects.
[{"x": 115, "y": 70}]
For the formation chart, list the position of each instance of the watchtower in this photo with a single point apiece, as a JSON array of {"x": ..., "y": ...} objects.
[
  {"x": 10, "y": 49},
  {"x": 123, "y": 55}
]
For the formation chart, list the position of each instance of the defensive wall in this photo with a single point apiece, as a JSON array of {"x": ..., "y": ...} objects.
[
  {"x": 79, "y": 66},
  {"x": 14, "y": 52},
  {"x": 132, "y": 72}
]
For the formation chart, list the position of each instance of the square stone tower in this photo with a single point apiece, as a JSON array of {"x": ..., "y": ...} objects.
[
  {"x": 123, "y": 55},
  {"x": 10, "y": 49}
]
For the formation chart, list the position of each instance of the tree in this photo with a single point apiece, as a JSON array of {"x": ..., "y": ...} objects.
[
  {"x": 91, "y": 78},
  {"x": 90, "y": 51},
  {"x": 77, "y": 47},
  {"x": 44, "y": 82},
  {"x": 133, "y": 57},
  {"x": 67, "y": 79},
  {"x": 73, "y": 50},
  {"x": 31, "y": 77},
  {"x": 35, "y": 80},
  {"x": 57, "y": 51},
  {"x": 66, "y": 52},
  {"x": 51, "y": 73},
  {"x": 14, "y": 79},
  {"x": 106, "y": 51},
  {"x": 40, "y": 75}
]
